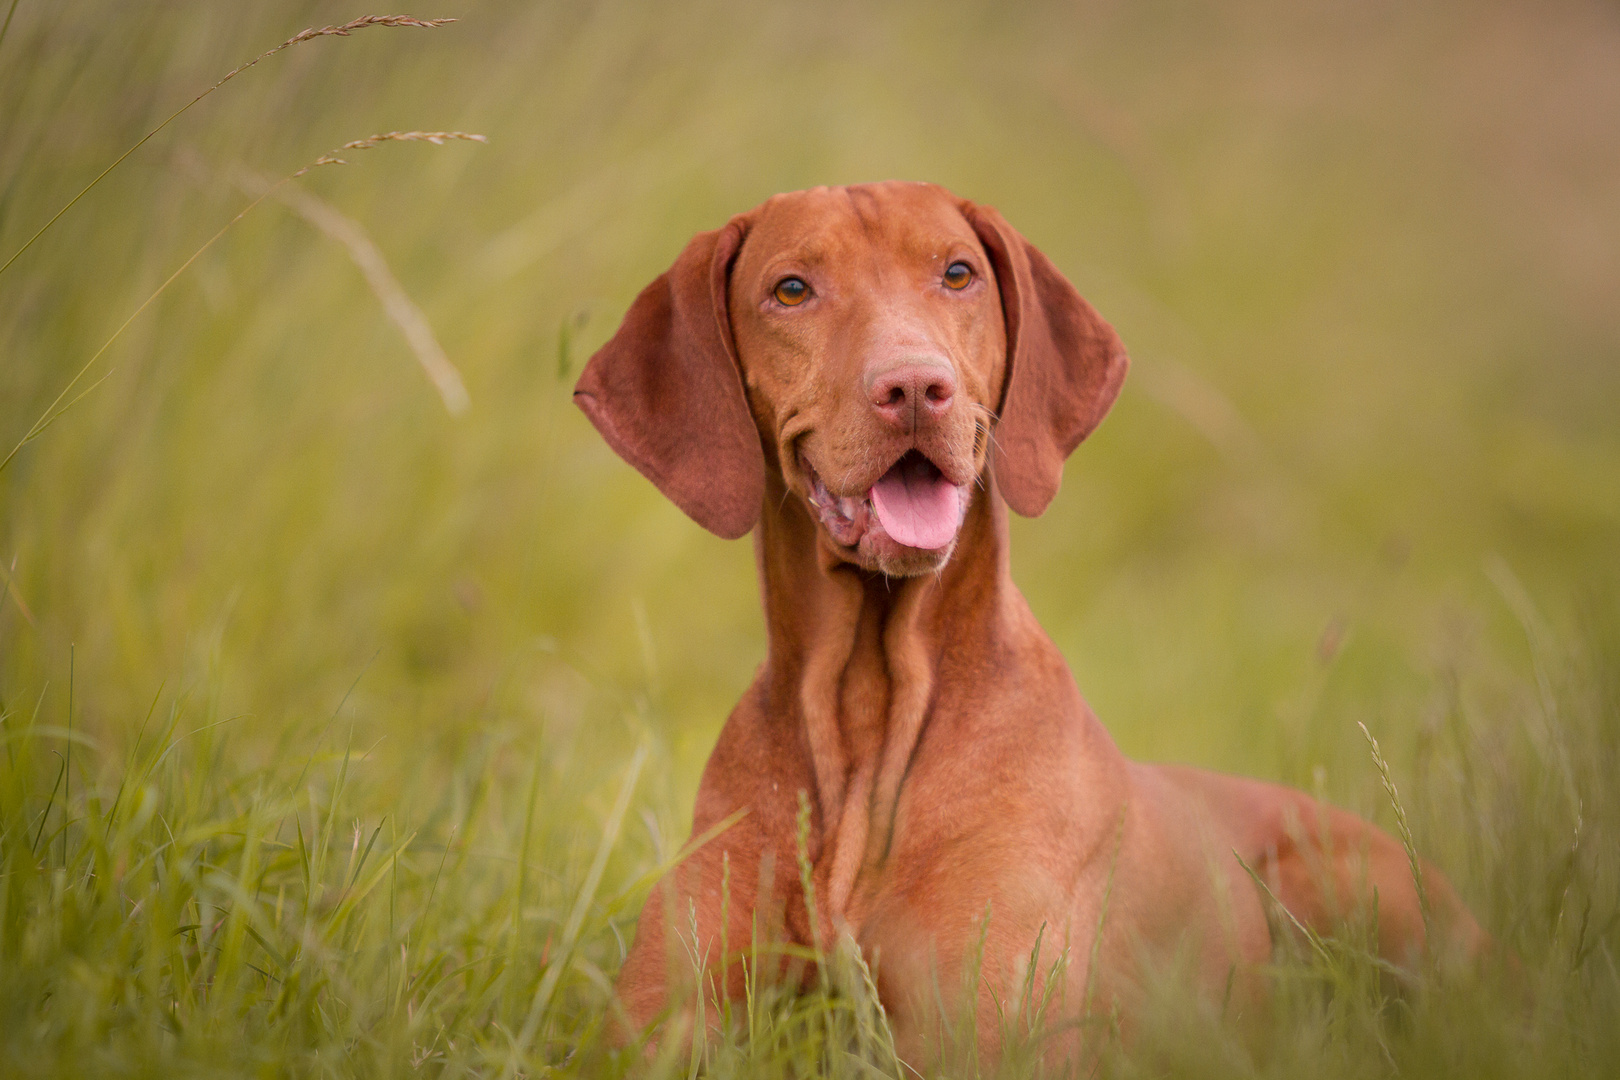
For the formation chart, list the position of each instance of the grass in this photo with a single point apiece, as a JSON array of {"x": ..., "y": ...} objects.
[
  {"x": 187, "y": 912},
  {"x": 343, "y": 734}
]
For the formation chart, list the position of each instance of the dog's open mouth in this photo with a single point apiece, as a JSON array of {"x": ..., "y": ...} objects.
[
  {"x": 916, "y": 505},
  {"x": 913, "y": 505}
]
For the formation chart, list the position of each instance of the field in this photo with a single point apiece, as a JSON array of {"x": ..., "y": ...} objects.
[{"x": 346, "y": 722}]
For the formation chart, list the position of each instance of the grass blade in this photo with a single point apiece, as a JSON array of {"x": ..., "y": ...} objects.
[{"x": 576, "y": 917}]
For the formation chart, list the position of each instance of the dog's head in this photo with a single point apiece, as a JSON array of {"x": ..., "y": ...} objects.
[{"x": 880, "y": 346}]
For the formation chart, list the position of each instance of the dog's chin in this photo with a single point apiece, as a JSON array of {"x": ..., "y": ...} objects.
[
  {"x": 880, "y": 552},
  {"x": 856, "y": 532}
]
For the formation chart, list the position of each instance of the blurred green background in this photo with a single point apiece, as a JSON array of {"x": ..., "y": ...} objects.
[{"x": 1366, "y": 258}]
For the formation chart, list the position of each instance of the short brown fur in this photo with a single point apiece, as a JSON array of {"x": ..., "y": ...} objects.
[{"x": 952, "y": 766}]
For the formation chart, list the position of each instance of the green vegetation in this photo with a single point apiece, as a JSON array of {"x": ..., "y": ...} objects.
[{"x": 343, "y": 734}]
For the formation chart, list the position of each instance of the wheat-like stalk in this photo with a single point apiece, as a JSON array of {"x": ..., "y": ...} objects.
[
  {"x": 325, "y": 31},
  {"x": 343, "y": 30},
  {"x": 1401, "y": 826},
  {"x": 437, "y": 138},
  {"x": 447, "y": 384}
]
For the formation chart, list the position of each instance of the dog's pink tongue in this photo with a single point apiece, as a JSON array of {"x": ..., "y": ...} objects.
[{"x": 917, "y": 506}]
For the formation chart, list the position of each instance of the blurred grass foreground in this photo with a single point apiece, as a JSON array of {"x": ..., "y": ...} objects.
[{"x": 352, "y": 692}]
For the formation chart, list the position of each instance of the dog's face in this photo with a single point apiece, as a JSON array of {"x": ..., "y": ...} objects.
[
  {"x": 869, "y": 330},
  {"x": 873, "y": 343}
]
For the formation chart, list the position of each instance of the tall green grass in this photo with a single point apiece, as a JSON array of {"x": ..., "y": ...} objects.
[
  {"x": 186, "y": 911},
  {"x": 344, "y": 735}
]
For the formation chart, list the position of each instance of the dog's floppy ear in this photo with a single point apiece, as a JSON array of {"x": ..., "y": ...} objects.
[
  {"x": 666, "y": 392},
  {"x": 1064, "y": 366}
]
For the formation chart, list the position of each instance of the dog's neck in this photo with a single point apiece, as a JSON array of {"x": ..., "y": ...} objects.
[{"x": 858, "y": 658}]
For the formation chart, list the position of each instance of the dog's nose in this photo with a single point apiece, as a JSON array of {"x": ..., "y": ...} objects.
[{"x": 912, "y": 394}]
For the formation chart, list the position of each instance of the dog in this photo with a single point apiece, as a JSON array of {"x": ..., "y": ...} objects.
[{"x": 868, "y": 378}]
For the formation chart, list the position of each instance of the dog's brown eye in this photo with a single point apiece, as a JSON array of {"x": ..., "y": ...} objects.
[
  {"x": 791, "y": 291},
  {"x": 958, "y": 274}
]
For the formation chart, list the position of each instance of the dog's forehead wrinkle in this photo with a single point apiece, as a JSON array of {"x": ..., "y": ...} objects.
[
  {"x": 864, "y": 204},
  {"x": 918, "y": 222}
]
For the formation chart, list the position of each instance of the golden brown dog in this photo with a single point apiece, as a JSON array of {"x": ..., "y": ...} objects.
[{"x": 867, "y": 378}]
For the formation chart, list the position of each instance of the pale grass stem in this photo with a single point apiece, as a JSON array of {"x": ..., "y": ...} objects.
[
  {"x": 365, "y": 254},
  {"x": 7, "y": 25},
  {"x": 52, "y": 413},
  {"x": 16, "y": 596},
  {"x": 299, "y": 38}
]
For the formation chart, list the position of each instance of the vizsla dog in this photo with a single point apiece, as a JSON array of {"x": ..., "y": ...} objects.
[{"x": 868, "y": 378}]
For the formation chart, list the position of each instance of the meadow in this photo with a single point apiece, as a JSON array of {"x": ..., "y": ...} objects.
[{"x": 353, "y": 693}]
